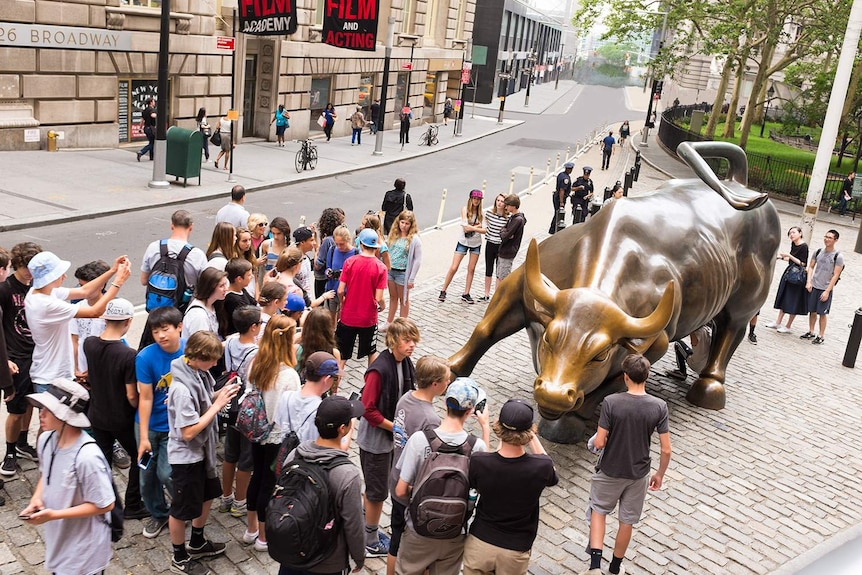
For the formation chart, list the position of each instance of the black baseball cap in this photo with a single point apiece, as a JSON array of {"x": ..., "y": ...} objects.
[
  {"x": 335, "y": 411},
  {"x": 516, "y": 415},
  {"x": 301, "y": 234}
]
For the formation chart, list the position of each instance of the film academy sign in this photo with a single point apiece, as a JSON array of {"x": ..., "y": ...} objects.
[
  {"x": 351, "y": 24},
  {"x": 267, "y": 17}
]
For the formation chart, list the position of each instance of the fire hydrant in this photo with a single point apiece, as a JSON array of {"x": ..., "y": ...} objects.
[{"x": 52, "y": 141}]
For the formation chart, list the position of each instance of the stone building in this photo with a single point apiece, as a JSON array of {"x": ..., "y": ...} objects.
[{"x": 84, "y": 68}]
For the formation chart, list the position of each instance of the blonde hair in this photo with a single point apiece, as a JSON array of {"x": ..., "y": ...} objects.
[
  {"x": 276, "y": 349},
  {"x": 288, "y": 258},
  {"x": 395, "y": 230},
  {"x": 342, "y": 232},
  {"x": 401, "y": 328},
  {"x": 254, "y": 219},
  {"x": 431, "y": 369}
]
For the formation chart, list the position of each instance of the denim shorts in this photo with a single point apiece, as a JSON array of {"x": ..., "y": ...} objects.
[
  {"x": 462, "y": 249},
  {"x": 398, "y": 276}
]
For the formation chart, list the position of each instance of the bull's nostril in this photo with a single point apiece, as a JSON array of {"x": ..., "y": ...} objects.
[{"x": 577, "y": 401}]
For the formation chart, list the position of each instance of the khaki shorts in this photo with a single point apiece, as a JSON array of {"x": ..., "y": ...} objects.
[
  {"x": 481, "y": 557},
  {"x": 439, "y": 556},
  {"x": 606, "y": 491}
]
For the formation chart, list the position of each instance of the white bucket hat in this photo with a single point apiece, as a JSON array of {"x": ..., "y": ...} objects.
[{"x": 66, "y": 399}]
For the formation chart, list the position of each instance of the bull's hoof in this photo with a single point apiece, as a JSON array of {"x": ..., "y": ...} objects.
[
  {"x": 707, "y": 392},
  {"x": 568, "y": 428}
]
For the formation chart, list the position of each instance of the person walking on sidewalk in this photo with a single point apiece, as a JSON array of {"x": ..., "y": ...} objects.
[
  {"x": 846, "y": 193},
  {"x": 204, "y": 129},
  {"x": 470, "y": 240},
  {"x": 395, "y": 201},
  {"x": 607, "y": 150},
  {"x": 357, "y": 122},
  {"x": 329, "y": 117},
  {"x": 626, "y": 425},
  {"x": 625, "y": 132},
  {"x": 280, "y": 118},
  {"x": 225, "y": 128},
  {"x": 375, "y": 116},
  {"x": 791, "y": 299},
  {"x": 148, "y": 119},
  {"x": 405, "y": 116},
  {"x": 561, "y": 194},
  {"x": 824, "y": 271}
]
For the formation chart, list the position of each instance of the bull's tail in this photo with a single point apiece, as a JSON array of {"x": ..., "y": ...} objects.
[{"x": 740, "y": 198}]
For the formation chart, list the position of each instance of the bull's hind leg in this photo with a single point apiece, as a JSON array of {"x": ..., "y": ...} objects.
[
  {"x": 708, "y": 390},
  {"x": 504, "y": 316}
]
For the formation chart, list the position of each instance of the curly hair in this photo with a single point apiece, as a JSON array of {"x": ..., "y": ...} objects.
[
  {"x": 276, "y": 349},
  {"x": 329, "y": 219},
  {"x": 395, "y": 231},
  {"x": 22, "y": 254}
]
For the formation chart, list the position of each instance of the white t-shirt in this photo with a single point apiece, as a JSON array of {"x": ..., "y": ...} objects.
[
  {"x": 199, "y": 318},
  {"x": 85, "y": 327},
  {"x": 49, "y": 318},
  {"x": 195, "y": 262},
  {"x": 233, "y": 214}
]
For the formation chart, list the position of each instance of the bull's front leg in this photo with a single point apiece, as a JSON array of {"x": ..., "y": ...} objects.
[
  {"x": 504, "y": 316},
  {"x": 708, "y": 389}
]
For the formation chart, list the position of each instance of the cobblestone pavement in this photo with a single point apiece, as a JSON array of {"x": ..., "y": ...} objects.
[{"x": 749, "y": 487}]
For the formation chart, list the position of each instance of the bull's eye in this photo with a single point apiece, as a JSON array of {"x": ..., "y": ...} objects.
[{"x": 603, "y": 355}]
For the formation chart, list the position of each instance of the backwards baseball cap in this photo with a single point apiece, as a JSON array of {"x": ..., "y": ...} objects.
[
  {"x": 302, "y": 233},
  {"x": 119, "y": 309},
  {"x": 568, "y": 165},
  {"x": 368, "y": 238},
  {"x": 476, "y": 194},
  {"x": 336, "y": 410},
  {"x": 321, "y": 364},
  {"x": 66, "y": 399},
  {"x": 462, "y": 394},
  {"x": 516, "y": 415},
  {"x": 295, "y": 302},
  {"x": 46, "y": 267}
]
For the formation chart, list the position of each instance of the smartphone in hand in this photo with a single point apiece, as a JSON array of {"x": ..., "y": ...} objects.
[{"x": 144, "y": 461}]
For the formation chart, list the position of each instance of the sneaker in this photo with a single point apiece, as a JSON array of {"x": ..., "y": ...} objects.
[
  {"x": 384, "y": 539},
  {"x": 225, "y": 503},
  {"x": 772, "y": 325},
  {"x": 592, "y": 571},
  {"x": 752, "y": 338},
  {"x": 10, "y": 465},
  {"x": 27, "y": 452},
  {"x": 467, "y": 299},
  {"x": 208, "y": 549},
  {"x": 120, "y": 457},
  {"x": 484, "y": 299},
  {"x": 136, "y": 513},
  {"x": 153, "y": 526},
  {"x": 782, "y": 329},
  {"x": 238, "y": 509},
  {"x": 261, "y": 546},
  {"x": 250, "y": 538},
  {"x": 442, "y": 296},
  {"x": 806, "y": 335},
  {"x": 189, "y": 566},
  {"x": 376, "y": 550},
  {"x": 818, "y": 340}
]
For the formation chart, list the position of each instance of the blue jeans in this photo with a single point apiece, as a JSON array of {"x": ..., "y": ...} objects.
[
  {"x": 356, "y": 136},
  {"x": 157, "y": 477}
]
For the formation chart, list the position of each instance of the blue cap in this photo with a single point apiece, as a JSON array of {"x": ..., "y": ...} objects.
[
  {"x": 462, "y": 394},
  {"x": 568, "y": 165},
  {"x": 295, "y": 302},
  {"x": 588, "y": 168},
  {"x": 368, "y": 238}
]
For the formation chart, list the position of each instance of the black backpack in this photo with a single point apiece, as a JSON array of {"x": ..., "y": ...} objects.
[
  {"x": 230, "y": 411},
  {"x": 166, "y": 285},
  {"x": 834, "y": 260},
  {"x": 439, "y": 503},
  {"x": 301, "y": 526},
  {"x": 116, "y": 514}
]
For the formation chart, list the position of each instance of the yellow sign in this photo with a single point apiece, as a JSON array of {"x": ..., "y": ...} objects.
[{"x": 232, "y": 115}]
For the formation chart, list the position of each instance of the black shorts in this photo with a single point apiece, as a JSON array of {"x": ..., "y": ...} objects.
[
  {"x": 345, "y": 336},
  {"x": 375, "y": 470},
  {"x": 398, "y": 522},
  {"x": 192, "y": 488},
  {"x": 237, "y": 450},
  {"x": 23, "y": 385}
]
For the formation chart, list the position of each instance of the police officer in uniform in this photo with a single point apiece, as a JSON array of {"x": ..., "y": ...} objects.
[
  {"x": 562, "y": 191},
  {"x": 582, "y": 193}
]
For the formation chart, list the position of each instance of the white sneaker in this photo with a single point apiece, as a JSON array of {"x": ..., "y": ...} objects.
[
  {"x": 249, "y": 538},
  {"x": 782, "y": 329},
  {"x": 260, "y": 545},
  {"x": 773, "y": 325}
]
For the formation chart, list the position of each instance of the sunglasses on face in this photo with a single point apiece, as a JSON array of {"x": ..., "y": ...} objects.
[{"x": 262, "y": 224}]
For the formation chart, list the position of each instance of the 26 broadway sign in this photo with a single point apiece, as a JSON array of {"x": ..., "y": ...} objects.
[
  {"x": 267, "y": 17},
  {"x": 69, "y": 37},
  {"x": 351, "y": 24}
]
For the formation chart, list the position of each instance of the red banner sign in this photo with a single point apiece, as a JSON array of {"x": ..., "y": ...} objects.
[
  {"x": 351, "y": 24},
  {"x": 267, "y": 17},
  {"x": 226, "y": 43}
]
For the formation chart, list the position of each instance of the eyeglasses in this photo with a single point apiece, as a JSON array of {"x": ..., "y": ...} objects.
[{"x": 262, "y": 224}]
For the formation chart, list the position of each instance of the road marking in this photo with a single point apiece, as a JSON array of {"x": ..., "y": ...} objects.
[
  {"x": 37, "y": 200},
  {"x": 575, "y": 99}
]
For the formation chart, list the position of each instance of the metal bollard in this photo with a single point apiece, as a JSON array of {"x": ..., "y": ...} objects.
[
  {"x": 561, "y": 217},
  {"x": 484, "y": 185},
  {"x": 440, "y": 213},
  {"x": 557, "y": 165},
  {"x": 530, "y": 182},
  {"x": 548, "y": 169},
  {"x": 852, "y": 349},
  {"x": 568, "y": 152},
  {"x": 627, "y": 181},
  {"x": 637, "y": 168},
  {"x": 512, "y": 183},
  {"x": 579, "y": 214}
]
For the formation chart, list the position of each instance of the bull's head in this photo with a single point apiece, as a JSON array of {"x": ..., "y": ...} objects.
[{"x": 586, "y": 335}]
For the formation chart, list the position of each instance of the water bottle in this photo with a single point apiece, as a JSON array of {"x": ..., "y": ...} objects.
[{"x": 472, "y": 496}]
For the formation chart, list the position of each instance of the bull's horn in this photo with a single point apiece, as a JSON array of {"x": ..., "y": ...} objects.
[
  {"x": 540, "y": 290},
  {"x": 649, "y": 326}
]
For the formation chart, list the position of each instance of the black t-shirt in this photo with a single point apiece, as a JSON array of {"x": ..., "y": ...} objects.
[
  {"x": 19, "y": 342},
  {"x": 394, "y": 202},
  {"x": 234, "y": 301},
  {"x": 111, "y": 366},
  {"x": 149, "y": 120},
  {"x": 507, "y": 514}
]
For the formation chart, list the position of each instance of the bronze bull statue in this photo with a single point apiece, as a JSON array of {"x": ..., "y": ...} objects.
[{"x": 642, "y": 272}]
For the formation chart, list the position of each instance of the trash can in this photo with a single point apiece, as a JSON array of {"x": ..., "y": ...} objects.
[{"x": 184, "y": 149}]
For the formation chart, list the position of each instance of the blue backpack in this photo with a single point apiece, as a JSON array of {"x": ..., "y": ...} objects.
[{"x": 166, "y": 285}]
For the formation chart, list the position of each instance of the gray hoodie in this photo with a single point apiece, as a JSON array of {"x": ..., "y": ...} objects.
[{"x": 345, "y": 487}]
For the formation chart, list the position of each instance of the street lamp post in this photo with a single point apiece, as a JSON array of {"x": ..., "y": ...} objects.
[
  {"x": 649, "y": 113},
  {"x": 769, "y": 95},
  {"x": 387, "y": 58},
  {"x": 530, "y": 64}
]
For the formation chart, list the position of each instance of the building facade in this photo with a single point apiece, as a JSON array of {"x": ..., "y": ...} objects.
[
  {"x": 85, "y": 68},
  {"x": 519, "y": 40}
]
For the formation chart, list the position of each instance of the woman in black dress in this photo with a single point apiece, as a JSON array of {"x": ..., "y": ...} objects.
[{"x": 791, "y": 299}]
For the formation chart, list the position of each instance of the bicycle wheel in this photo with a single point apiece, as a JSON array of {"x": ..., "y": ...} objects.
[
  {"x": 423, "y": 141},
  {"x": 434, "y": 141},
  {"x": 299, "y": 162},
  {"x": 312, "y": 158},
  {"x": 434, "y": 130}
]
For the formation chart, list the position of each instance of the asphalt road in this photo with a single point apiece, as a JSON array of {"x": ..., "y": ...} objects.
[{"x": 457, "y": 169}]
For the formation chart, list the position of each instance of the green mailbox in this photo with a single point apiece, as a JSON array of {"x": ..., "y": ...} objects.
[{"x": 184, "y": 154}]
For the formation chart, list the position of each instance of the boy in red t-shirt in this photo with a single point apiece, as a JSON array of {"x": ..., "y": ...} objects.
[{"x": 365, "y": 276}]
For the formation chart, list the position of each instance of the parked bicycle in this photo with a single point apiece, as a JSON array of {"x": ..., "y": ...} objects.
[
  {"x": 429, "y": 138},
  {"x": 306, "y": 157}
]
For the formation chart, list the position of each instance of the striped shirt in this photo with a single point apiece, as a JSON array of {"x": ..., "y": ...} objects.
[{"x": 494, "y": 223}]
